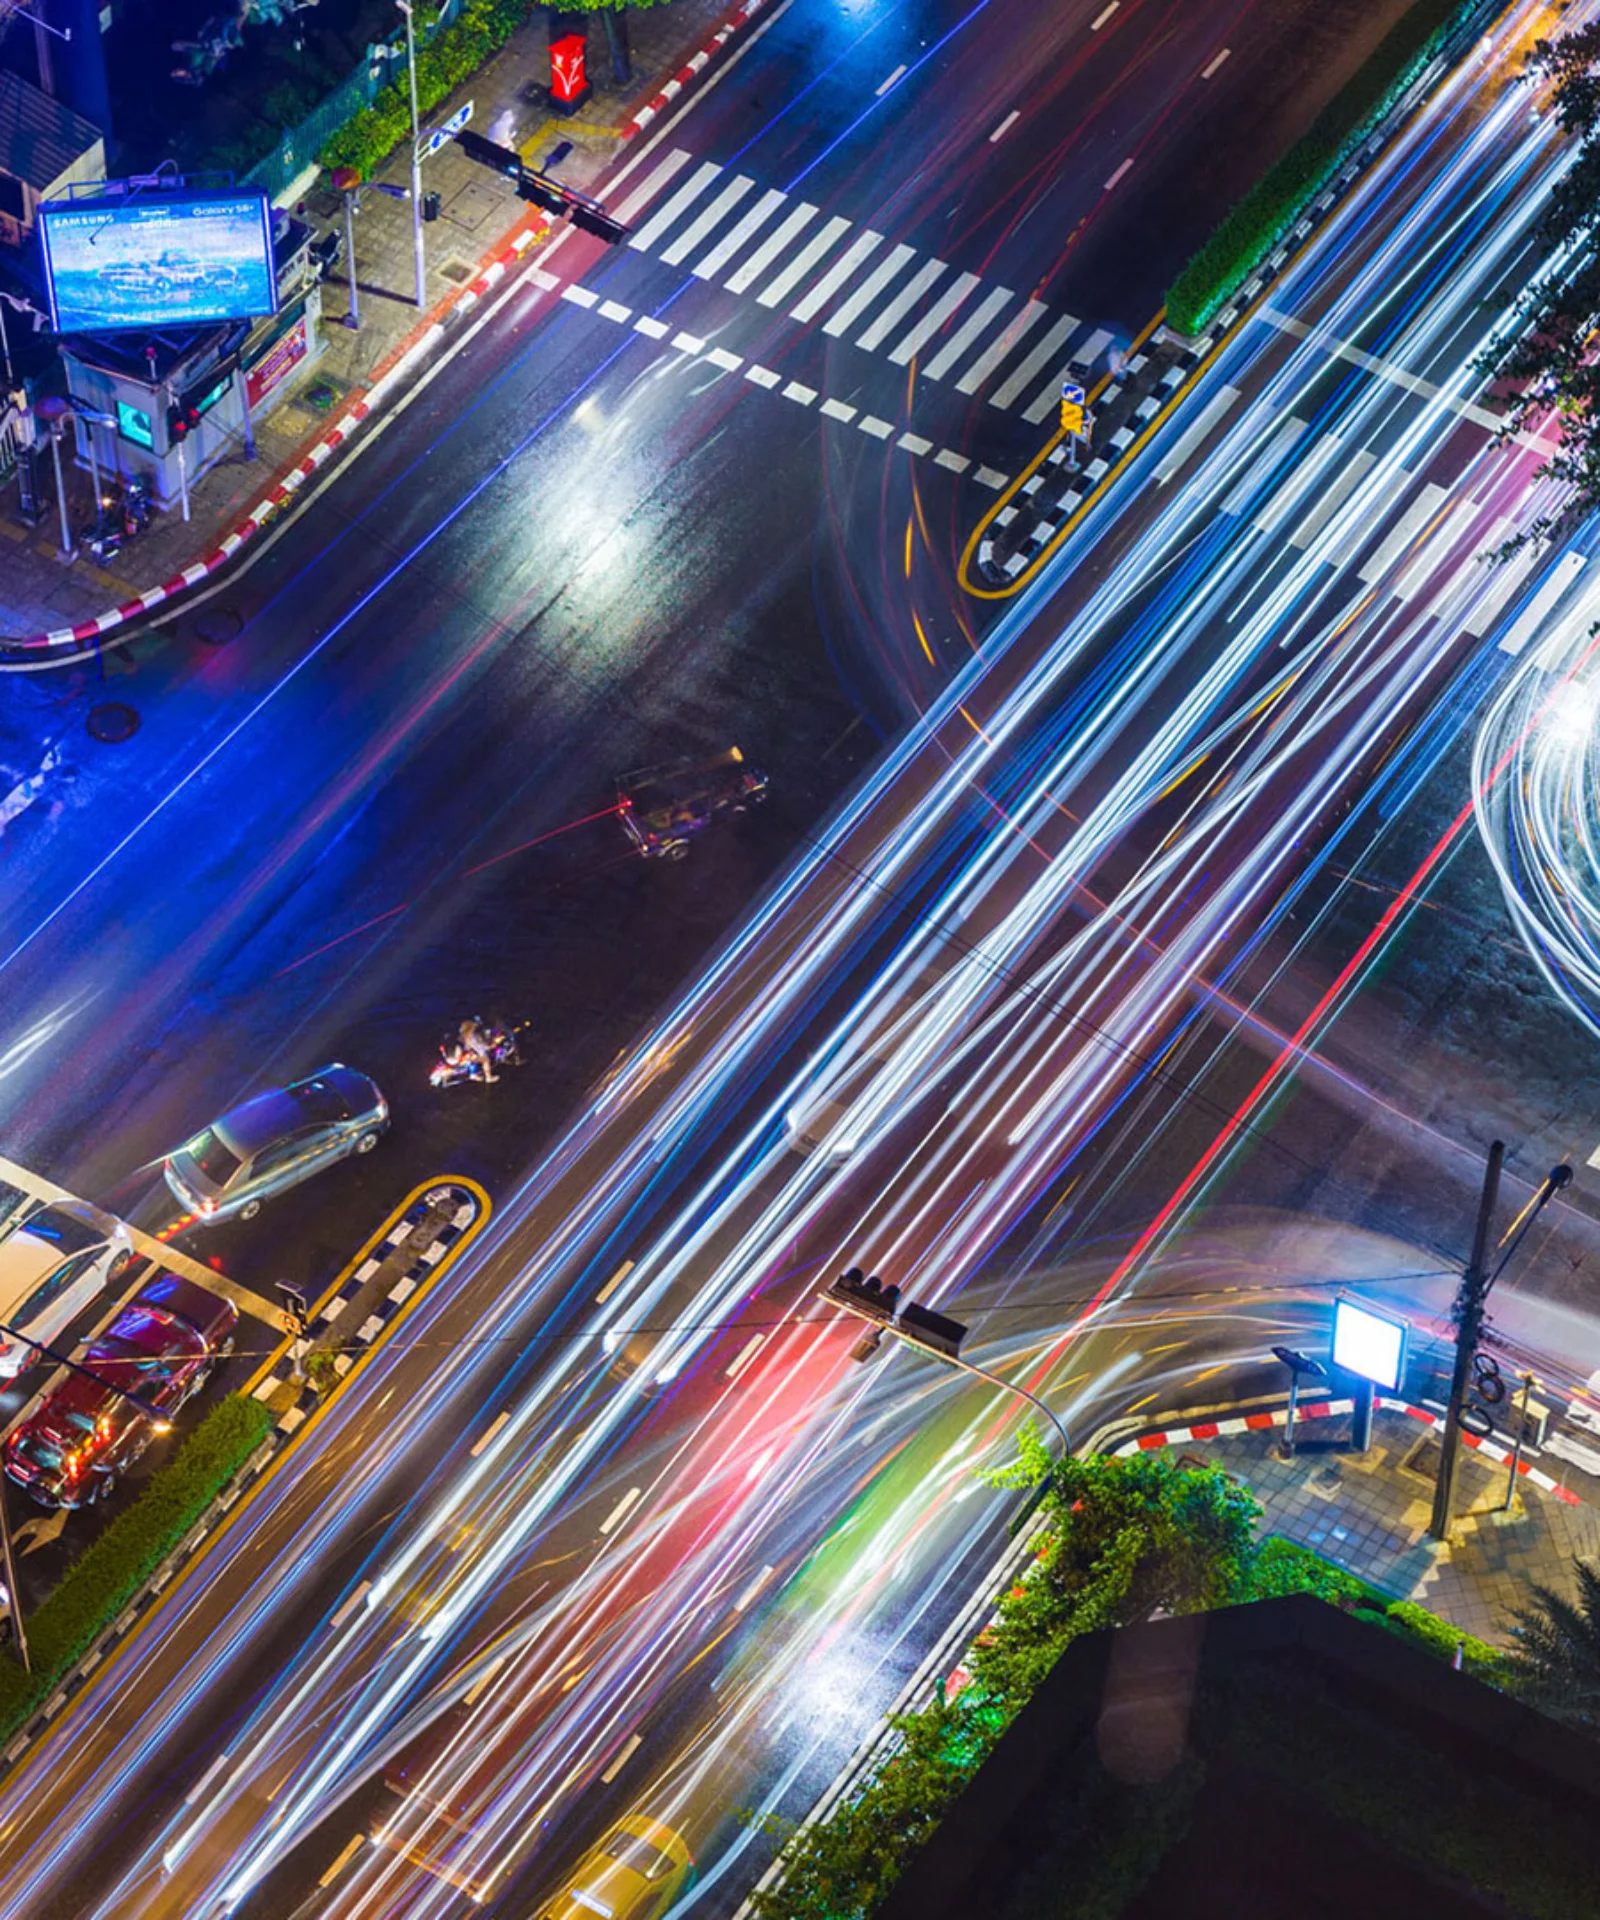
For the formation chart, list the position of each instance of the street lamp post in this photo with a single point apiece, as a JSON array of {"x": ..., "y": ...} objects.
[
  {"x": 1299, "y": 1364},
  {"x": 405, "y": 7}
]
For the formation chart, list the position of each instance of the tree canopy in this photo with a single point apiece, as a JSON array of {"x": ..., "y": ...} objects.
[{"x": 1547, "y": 353}]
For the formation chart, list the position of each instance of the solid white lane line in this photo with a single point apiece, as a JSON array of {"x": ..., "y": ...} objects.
[
  {"x": 989, "y": 360},
  {"x": 486, "y": 1438},
  {"x": 1005, "y": 125},
  {"x": 822, "y": 291},
  {"x": 1206, "y": 72},
  {"x": 971, "y": 329},
  {"x": 1119, "y": 173},
  {"x": 624, "y": 1754},
  {"x": 787, "y": 278},
  {"x": 681, "y": 201},
  {"x": 1051, "y": 344},
  {"x": 1416, "y": 516},
  {"x": 1103, "y": 16},
  {"x": 849, "y": 310},
  {"x": 621, "y": 1510},
  {"x": 912, "y": 342},
  {"x": 897, "y": 309},
  {"x": 879, "y": 92},
  {"x": 707, "y": 222},
  {"x": 661, "y": 175},
  {"x": 626, "y": 1268},
  {"x": 774, "y": 244},
  {"x": 1186, "y": 443},
  {"x": 732, "y": 241},
  {"x": 1332, "y": 497}
]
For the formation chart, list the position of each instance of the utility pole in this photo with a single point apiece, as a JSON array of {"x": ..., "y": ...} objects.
[
  {"x": 405, "y": 7},
  {"x": 1471, "y": 1298}
]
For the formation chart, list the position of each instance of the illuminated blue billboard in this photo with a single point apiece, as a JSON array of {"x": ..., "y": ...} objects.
[{"x": 157, "y": 260}]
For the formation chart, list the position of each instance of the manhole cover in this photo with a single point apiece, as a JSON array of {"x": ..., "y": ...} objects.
[
  {"x": 320, "y": 396},
  {"x": 456, "y": 270},
  {"x": 112, "y": 722},
  {"x": 217, "y": 625}
]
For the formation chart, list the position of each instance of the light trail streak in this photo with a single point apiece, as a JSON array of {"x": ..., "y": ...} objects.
[{"x": 1172, "y": 752}]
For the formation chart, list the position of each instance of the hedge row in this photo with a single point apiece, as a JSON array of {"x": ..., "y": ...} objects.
[
  {"x": 442, "y": 64},
  {"x": 114, "y": 1568},
  {"x": 1254, "y": 226}
]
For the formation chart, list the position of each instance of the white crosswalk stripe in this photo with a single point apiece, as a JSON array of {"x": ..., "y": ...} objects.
[
  {"x": 706, "y": 223},
  {"x": 778, "y": 289},
  {"x": 736, "y": 236},
  {"x": 665, "y": 218},
  {"x": 843, "y": 317},
  {"x": 885, "y": 297}
]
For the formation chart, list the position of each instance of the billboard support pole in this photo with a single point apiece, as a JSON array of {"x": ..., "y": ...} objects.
[
  {"x": 249, "y": 422},
  {"x": 67, "y": 553}
]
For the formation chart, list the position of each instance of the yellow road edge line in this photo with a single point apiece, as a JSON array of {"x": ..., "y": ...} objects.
[{"x": 136, "y": 1632}]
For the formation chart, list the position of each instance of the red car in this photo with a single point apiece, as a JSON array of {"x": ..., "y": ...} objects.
[{"x": 161, "y": 1346}]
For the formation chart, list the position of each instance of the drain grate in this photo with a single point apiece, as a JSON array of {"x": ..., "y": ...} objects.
[{"x": 456, "y": 270}]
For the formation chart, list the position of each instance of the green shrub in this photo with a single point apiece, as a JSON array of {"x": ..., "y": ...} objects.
[
  {"x": 1256, "y": 223},
  {"x": 443, "y": 62},
  {"x": 1281, "y": 1567},
  {"x": 113, "y": 1569},
  {"x": 1425, "y": 1629}
]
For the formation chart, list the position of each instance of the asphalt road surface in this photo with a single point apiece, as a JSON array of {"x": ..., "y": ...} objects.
[{"x": 977, "y": 1033}]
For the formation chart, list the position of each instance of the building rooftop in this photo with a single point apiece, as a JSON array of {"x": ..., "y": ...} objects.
[{"x": 39, "y": 137}]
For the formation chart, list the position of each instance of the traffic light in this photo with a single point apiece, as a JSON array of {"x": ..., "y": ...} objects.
[
  {"x": 183, "y": 416},
  {"x": 935, "y": 1331},
  {"x": 864, "y": 1295},
  {"x": 543, "y": 191}
]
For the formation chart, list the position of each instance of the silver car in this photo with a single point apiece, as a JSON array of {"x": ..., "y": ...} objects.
[{"x": 275, "y": 1141}]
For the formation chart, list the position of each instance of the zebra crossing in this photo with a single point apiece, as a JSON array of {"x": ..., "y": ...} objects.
[{"x": 884, "y": 298}]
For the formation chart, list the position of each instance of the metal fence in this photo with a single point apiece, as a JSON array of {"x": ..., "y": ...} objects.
[{"x": 301, "y": 144}]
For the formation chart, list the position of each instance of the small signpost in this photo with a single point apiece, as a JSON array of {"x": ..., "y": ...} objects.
[{"x": 1076, "y": 422}]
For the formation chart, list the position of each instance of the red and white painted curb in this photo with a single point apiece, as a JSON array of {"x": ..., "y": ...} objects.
[
  {"x": 653, "y": 108},
  {"x": 1201, "y": 1430},
  {"x": 387, "y": 376}
]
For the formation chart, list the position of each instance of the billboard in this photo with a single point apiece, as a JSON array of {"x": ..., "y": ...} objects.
[
  {"x": 157, "y": 260},
  {"x": 1369, "y": 1344}
]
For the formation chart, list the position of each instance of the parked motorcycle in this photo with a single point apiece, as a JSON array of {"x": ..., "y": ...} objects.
[
  {"x": 457, "y": 1061},
  {"x": 122, "y": 517}
]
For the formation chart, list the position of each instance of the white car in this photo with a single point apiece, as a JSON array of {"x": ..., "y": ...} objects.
[{"x": 51, "y": 1267}]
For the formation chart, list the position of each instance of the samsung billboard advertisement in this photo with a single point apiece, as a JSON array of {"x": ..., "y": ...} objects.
[{"x": 157, "y": 260}]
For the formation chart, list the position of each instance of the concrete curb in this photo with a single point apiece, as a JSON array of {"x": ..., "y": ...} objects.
[
  {"x": 1200, "y": 1431},
  {"x": 658, "y": 104}
]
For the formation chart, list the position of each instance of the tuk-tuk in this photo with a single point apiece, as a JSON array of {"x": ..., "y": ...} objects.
[{"x": 663, "y": 808}]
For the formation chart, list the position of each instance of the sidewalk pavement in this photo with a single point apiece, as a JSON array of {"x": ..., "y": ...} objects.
[
  {"x": 1369, "y": 1513},
  {"x": 40, "y": 590}
]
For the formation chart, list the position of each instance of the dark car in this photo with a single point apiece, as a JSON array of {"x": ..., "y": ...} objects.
[
  {"x": 161, "y": 1346},
  {"x": 275, "y": 1141},
  {"x": 663, "y": 808}
]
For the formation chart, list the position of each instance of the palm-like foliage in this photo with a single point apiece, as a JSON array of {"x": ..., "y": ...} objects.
[{"x": 1556, "y": 1660}]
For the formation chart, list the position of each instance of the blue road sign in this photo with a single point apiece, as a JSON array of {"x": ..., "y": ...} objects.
[
  {"x": 1072, "y": 393},
  {"x": 435, "y": 137}
]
